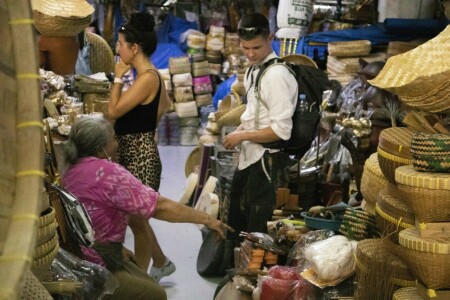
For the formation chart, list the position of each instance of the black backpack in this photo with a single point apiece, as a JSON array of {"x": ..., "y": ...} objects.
[{"x": 312, "y": 82}]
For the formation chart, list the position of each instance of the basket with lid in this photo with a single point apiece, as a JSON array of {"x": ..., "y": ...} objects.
[
  {"x": 428, "y": 194},
  {"x": 372, "y": 180},
  {"x": 394, "y": 150},
  {"x": 392, "y": 215},
  {"x": 431, "y": 152},
  {"x": 428, "y": 259}
]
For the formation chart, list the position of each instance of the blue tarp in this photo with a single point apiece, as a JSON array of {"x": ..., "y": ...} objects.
[{"x": 163, "y": 52}]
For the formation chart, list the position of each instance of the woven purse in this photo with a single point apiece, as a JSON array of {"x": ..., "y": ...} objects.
[
  {"x": 202, "y": 85},
  {"x": 179, "y": 65},
  {"x": 183, "y": 94},
  {"x": 431, "y": 152},
  {"x": 200, "y": 68}
]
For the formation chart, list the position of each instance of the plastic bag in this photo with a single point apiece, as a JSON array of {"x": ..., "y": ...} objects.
[
  {"x": 332, "y": 258},
  {"x": 97, "y": 280},
  {"x": 270, "y": 288}
]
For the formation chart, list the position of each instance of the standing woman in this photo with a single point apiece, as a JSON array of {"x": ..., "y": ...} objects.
[{"x": 137, "y": 112}]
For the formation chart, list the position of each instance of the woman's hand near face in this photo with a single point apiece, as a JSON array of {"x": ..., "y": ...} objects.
[{"x": 121, "y": 69}]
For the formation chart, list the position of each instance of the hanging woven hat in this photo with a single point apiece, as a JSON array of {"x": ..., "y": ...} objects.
[
  {"x": 63, "y": 18},
  {"x": 300, "y": 59},
  {"x": 420, "y": 74}
]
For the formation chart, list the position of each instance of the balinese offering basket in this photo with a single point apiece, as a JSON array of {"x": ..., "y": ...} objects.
[
  {"x": 392, "y": 215},
  {"x": 428, "y": 259},
  {"x": 428, "y": 194},
  {"x": 420, "y": 76},
  {"x": 372, "y": 180},
  {"x": 394, "y": 150},
  {"x": 379, "y": 272},
  {"x": 431, "y": 152},
  {"x": 406, "y": 293},
  {"x": 349, "y": 48},
  {"x": 179, "y": 65},
  {"x": 63, "y": 18}
]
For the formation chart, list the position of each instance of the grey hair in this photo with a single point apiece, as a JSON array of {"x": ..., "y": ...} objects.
[{"x": 88, "y": 136}]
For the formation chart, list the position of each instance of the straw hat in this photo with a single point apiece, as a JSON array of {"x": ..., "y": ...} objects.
[
  {"x": 420, "y": 75},
  {"x": 300, "y": 59},
  {"x": 191, "y": 183},
  {"x": 63, "y": 8}
]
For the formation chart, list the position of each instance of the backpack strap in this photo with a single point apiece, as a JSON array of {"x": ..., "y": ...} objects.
[{"x": 257, "y": 90}]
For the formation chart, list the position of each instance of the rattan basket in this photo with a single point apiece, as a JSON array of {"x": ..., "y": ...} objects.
[
  {"x": 428, "y": 194},
  {"x": 46, "y": 248},
  {"x": 203, "y": 99},
  {"x": 358, "y": 225},
  {"x": 392, "y": 215},
  {"x": 431, "y": 152},
  {"x": 57, "y": 26},
  {"x": 406, "y": 293},
  {"x": 428, "y": 260},
  {"x": 349, "y": 48},
  {"x": 399, "y": 47},
  {"x": 372, "y": 180},
  {"x": 179, "y": 65},
  {"x": 47, "y": 217},
  {"x": 101, "y": 56},
  {"x": 232, "y": 117},
  {"x": 421, "y": 73},
  {"x": 41, "y": 266},
  {"x": 377, "y": 265},
  {"x": 33, "y": 289},
  {"x": 21, "y": 145},
  {"x": 394, "y": 150},
  {"x": 200, "y": 68}
]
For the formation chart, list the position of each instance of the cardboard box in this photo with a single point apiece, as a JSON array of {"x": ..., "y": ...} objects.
[{"x": 429, "y": 294}]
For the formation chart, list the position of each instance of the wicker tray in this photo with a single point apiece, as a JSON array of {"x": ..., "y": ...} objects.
[
  {"x": 428, "y": 194},
  {"x": 21, "y": 145},
  {"x": 349, "y": 48}
]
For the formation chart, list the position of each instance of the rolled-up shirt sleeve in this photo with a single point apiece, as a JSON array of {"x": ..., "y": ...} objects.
[{"x": 279, "y": 90}]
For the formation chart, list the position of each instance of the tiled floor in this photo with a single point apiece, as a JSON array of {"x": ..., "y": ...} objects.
[{"x": 180, "y": 242}]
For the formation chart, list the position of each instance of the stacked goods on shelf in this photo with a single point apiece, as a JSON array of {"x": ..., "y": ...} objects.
[
  {"x": 215, "y": 42},
  {"x": 254, "y": 257},
  {"x": 343, "y": 60},
  {"x": 378, "y": 271}
]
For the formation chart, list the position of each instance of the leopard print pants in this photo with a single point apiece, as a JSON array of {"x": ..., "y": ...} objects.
[{"x": 138, "y": 153}]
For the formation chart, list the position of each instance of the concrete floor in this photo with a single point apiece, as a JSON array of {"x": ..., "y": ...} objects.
[{"x": 180, "y": 242}]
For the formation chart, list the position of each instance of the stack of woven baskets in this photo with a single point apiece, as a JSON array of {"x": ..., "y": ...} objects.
[
  {"x": 420, "y": 76},
  {"x": 343, "y": 59}
]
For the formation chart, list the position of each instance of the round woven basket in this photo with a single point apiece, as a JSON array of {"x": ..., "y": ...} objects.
[
  {"x": 372, "y": 180},
  {"x": 33, "y": 289},
  {"x": 21, "y": 145},
  {"x": 47, "y": 217},
  {"x": 57, "y": 26},
  {"x": 41, "y": 266},
  {"x": 101, "y": 56},
  {"x": 378, "y": 271},
  {"x": 421, "y": 71},
  {"x": 428, "y": 260},
  {"x": 45, "y": 233},
  {"x": 192, "y": 161},
  {"x": 406, "y": 293},
  {"x": 358, "y": 225},
  {"x": 232, "y": 117},
  {"x": 46, "y": 248},
  {"x": 394, "y": 150},
  {"x": 349, "y": 48},
  {"x": 428, "y": 194},
  {"x": 431, "y": 152},
  {"x": 392, "y": 215}
]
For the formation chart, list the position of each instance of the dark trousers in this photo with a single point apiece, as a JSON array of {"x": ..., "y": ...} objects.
[{"x": 253, "y": 194}]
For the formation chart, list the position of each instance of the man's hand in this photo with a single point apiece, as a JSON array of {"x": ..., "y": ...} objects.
[
  {"x": 232, "y": 139},
  {"x": 219, "y": 227}
]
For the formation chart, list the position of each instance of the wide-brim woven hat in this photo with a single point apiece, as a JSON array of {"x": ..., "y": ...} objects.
[
  {"x": 300, "y": 59},
  {"x": 421, "y": 74},
  {"x": 63, "y": 8}
]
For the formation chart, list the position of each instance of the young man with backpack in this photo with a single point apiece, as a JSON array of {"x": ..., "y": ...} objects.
[{"x": 253, "y": 189}]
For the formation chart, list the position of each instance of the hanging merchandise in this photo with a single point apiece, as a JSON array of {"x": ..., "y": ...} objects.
[{"x": 293, "y": 19}]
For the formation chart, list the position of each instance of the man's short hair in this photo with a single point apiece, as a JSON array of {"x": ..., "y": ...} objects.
[{"x": 253, "y": 25}]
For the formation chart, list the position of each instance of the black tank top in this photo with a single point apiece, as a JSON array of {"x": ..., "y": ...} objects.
[{"x": 141, "y": 118}]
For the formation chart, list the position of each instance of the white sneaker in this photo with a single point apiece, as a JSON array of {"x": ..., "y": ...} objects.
[{"x": 166, "y": 270}]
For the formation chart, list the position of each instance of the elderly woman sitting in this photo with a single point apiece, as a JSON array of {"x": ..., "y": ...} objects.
[{"x": 110, "y": 195}]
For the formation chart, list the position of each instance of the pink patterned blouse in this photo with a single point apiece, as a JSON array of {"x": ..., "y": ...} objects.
[{"x": 109, "y": 194}]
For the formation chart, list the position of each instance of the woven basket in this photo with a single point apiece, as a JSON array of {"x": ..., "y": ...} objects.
[
  {"x": 200, "y": 68},
  {"x": 428, "y": 260},
  {"x": 186, "y": 109},
  {"x": 183, "y": 94},
  {"x": 57, "y": 26},
  {"x": 180, "y": 80},
  {"x": 21, "y": 143},
  {"x": 394, "y": 150},
  {"x": 179, "y": 65},
  {"x": 397, "y": 47},
  {"x": 202, "y": 85},
  {"x": 349, "y": 48},
  {"x": 33, "y": 289},
  {"x": 300, "y": 59},
  {"x": 101, "y": 56},
  {"x": 47, "y": 217},
  {"x": 232, "y": 117},
  {"x": 203, "y": 99},
  {"x": 372, "y": 255},
  {"x": 372, "y": 180},
  {"x": 214, "y": 57},
  {"x": 196, "y": 40},
  {"x": 431, "y": 152},
  {"x": 90, "y": 101},
  {"x": 406, "y": 293},
  {"x": 428, "y": 194},
  {"x": 41, "y": 266},
  {"x": 215, "y": 68},
  {"x": 392, "y": 215},
  {"x": 358, "y": 225},
  {"x": 422, "y": 71},
  {"x": 47, "y": 232},
  {"x": 46, "y": 248}
]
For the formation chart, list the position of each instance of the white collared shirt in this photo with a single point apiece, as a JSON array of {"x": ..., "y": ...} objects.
[{"x": 279, "y": 91}]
